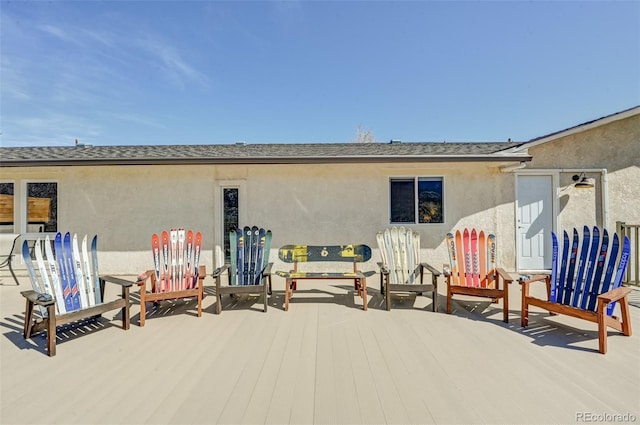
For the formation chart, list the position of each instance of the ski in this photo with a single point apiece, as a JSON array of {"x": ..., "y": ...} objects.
[
  {"x": 267, "y": 248},
  {"x": 240, "y": 249},
  {"x": 622, "y": 266},
  {"x": 390, "y": 256},
  {"x": 402, "y": 244},
  {"x": 26, "y": 257},
  {"x": 91, "y": 290},
  {"x": 262, "y": 239},
  {"x": 165, "y": 283},
  {"x": 453, "y": 258},
  {"x": 597, "y": 278},
  {"x": 247, "y": 255},
  {"x": 71, "y": 272},
  {"x": 253, "y": 269},
  {"x": 491, "y": 265},
  {"x": 586, "y": 238},
  {"x": 173, "y": 234},
  {"x": 180, "y": 277},
  {"x": 55, "y": 279},
  {"x": 197, "y": 248},
  {"x": 482, "y": 251},
  {"x": 554, "y": 268},
  {"x": 155, "y": 250},
  {"x": 593, "y": 256},
  {"x": 94, "y": 269},
  {"x": 613, "y": 255},
  {"x": 233, "y": 244},
  {"x": 563, "y": 268},
  {"x": 189, "y": 259},
  {"x": 84, "y": 301},
  {"x": 64, "y": 278},
  {"x": 467, "y": 257},
  {"x": 572, "y": 266},
  {"x": 37, "y": 249},
  {"x": 475, "y": 259},
  {"x": 460, "y": 255},
  {"x": 411, "y": 256},
  {"x": 397, "y": 262}
]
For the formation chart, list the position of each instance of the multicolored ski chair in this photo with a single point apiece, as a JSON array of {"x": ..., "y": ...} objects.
[
  {"x": 472, "y": 268},
  {"x": 67, "y": 287},
  {"x": 401, "y": 269},
  {"x": 583, "y": 284},
  {"x": 249, "y": 270},
  {"x": 177, "y": 273}
]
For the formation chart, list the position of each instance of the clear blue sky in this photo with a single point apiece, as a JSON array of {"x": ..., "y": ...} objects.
[{"x": 142, "y": 72}]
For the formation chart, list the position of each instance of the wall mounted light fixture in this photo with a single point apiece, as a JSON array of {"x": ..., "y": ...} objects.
[{"x": 583, "y": 182}]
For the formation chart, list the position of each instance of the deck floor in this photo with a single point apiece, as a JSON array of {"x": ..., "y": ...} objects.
[{"x": 323, "y": 361}]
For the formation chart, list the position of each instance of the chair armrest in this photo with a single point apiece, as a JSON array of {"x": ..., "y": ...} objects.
[
  {"x": 534, "y": 278},
  {"x": 267, "y": 270},
  {"x": 504, "y": 275},
  {"x": 217, "y": 272},
  {"x": 614, "y": 294},
  {"x": 431, "y": 269},
  {"x": 37, "y": 298},
  {"x": 384, "y": 269},
  {"x": 118, "y": 281}
]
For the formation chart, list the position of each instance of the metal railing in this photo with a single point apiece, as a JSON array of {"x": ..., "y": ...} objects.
[{"x": 632, "y": 231}]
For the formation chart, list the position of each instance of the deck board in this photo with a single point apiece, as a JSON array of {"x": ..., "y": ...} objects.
[{"x": 324, "y": 361}]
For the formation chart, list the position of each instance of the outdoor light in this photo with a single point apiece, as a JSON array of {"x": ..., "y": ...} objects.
[{"x": 583, "y": 182}]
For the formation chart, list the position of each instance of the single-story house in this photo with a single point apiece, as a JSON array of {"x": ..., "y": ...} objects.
[{"x": 329, "y": 193}]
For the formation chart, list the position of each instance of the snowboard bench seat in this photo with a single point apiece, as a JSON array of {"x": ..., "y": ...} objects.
[
  {"x": 50, "y": 323},
  {"x": 350, "y": 253}
]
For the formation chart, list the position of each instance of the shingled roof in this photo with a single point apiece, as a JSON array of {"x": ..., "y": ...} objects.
[{"x": 260, "y": 154}]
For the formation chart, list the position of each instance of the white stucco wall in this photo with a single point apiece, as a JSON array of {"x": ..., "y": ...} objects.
[{"x": 311, "y": 204}]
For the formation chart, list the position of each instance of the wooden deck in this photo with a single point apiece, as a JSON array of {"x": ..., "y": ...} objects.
[{"x": 324, "y": 361}]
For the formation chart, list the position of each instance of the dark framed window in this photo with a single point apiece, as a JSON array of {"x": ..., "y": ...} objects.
[
  {"x": 6, "y": 208},
  {"x": 42, "y": 207},
  {"x": 229, "y": 216},
  {"x": 417, "y": 200}
]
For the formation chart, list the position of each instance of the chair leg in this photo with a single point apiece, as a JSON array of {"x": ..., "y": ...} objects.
[
  {"x": 388, "y": 298},
  {"x": 524, "y": 315},
  {"x": 266, "y": 296},
  {"x": 602, "y": 328},
  {"x": 626, "y": 322},
  {"x": 126, "y": 310},
  {"x": 287, "y": 294},
  {"x": 505, "y": 301},
  {"x": 363, "y": 286},
  {"x": 143, "y": 306},
  {"x": 51, "y": 330},
  {"x": 218, "y": 297},
  {"x": 449, "y": 295},
  {"x": 28, "y": 319}
]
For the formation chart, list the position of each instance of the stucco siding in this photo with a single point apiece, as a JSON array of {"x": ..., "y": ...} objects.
[
  {"x": 310, "y": 204},
  {"x": 614, "y": 147}
]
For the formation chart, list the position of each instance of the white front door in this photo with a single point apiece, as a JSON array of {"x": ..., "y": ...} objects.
[{"x": 534, "y": 221}]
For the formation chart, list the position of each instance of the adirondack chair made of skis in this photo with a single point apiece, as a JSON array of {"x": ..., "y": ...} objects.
[
  {"x": 249, "y": 270},
  {"x": 472, "y": 269},
  {"x": 177, "y": 273},
  {"x": 400, "y": 268},
  {"x": 585, "y": 281},
  {"x": 67, "y": 287}
]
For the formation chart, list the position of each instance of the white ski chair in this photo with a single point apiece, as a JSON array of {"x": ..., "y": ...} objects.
[{"x": 401, "y": 269}]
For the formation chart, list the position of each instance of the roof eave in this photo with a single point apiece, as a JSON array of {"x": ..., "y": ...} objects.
[{"x": 266, "y": 160}]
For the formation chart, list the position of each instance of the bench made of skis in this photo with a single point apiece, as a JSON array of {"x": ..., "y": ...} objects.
[{"x": 352, "y": 253}]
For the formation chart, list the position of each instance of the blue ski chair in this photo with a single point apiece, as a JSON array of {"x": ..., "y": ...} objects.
[
  {"x": 249, "y": 269},
  {"x": 583, "y": 284}
]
